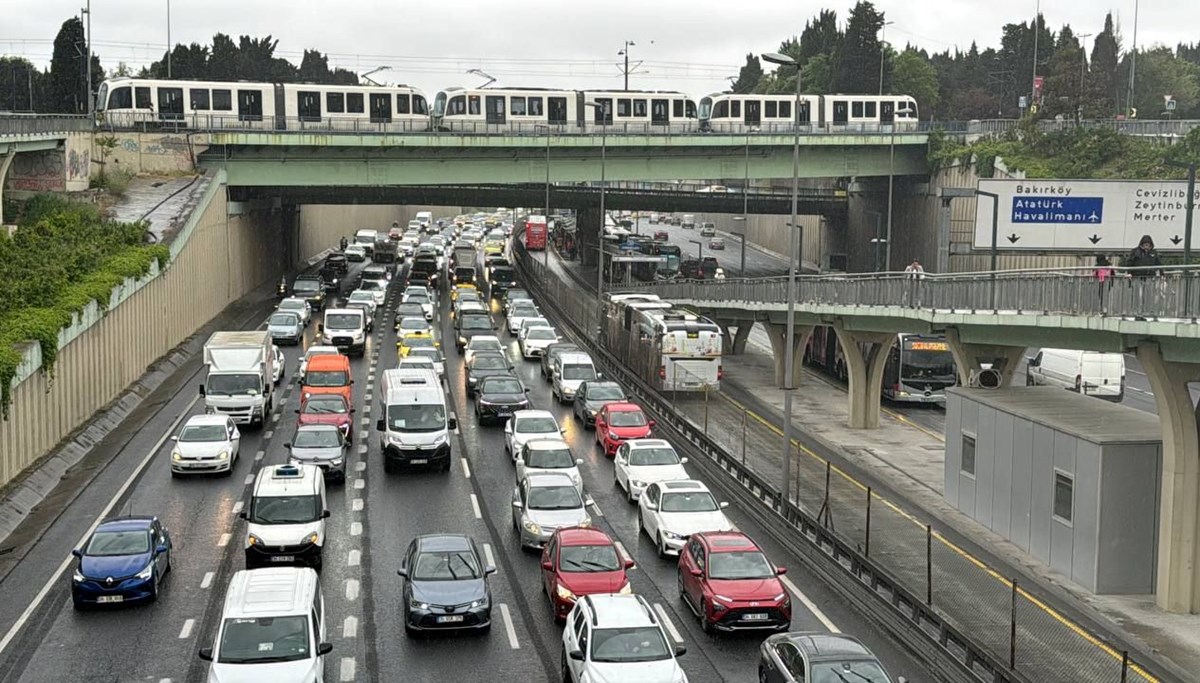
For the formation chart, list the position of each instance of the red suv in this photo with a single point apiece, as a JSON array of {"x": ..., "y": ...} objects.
[
  {"x": 578, "y": 562},
  {"x": 327, "y": 409},
  {"x": 616, "y": 423},
  {"x": 729, "y": 583}
]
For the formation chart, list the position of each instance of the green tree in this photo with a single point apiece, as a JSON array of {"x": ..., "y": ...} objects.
[
  {"x": 67, "y": 91},
  {"x": 913, "y": 75},
  {"x": 21, "y": 84},
  {"x": 1065, "y": 76},
  {"x": 856, "y": 69},
  {"x": 821, "y": 37},
  {"x": 1160, "y": 73},
  {"x": 749, "y": 76},
  {"x": 1103, "y": 85},
  {"x": 223, "y": 59}
]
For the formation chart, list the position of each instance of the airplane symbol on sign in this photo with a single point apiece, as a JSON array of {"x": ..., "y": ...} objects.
[{"x": 1094, "y": 218}]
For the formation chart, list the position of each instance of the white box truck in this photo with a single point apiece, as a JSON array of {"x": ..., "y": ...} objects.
[{"x": 241, "y": 372}]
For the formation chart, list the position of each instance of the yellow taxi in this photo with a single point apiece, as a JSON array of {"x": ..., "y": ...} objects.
[
  {"x": 415, "y": 340},
  {"x": 462, "y": 288},
  {"x": 493, "y": 247}
]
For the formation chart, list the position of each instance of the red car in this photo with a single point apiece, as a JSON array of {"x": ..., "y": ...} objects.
[
  {"x": 578, "y": 562},
  {"x": 731, "y": 586},
  {"x": 328, "y": 409},
  {"x": 618, "y": 422}
]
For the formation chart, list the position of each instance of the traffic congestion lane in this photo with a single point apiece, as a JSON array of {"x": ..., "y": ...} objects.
[{"x": 759, "y": 263}]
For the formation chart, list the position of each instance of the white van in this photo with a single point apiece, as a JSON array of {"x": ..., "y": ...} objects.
[
  {"x": 425, "y": 218},
  {"x": 272, "y": 628},
  {"x": 287, "y": 514},
  {"x": 346, "y": 329},
  {"x": 568, "y": 372},
  {"x": 367, "y": 238},
  {"x": 1088, "y": 372},
  {"x": 689, "y": 222},
  {"x": 417, "y": 424}
]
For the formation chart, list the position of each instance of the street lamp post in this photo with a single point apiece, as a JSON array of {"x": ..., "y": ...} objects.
[
  {"x": 892, "y": 183},
  {"x": 742, "y": 237},
  {"x": 603, "y": 109},
  {"x": 879, "y": 240},
  {"x": 882, "y": 52},
  {"x": 546, "y": 251},
  {"x": 995, "y": 228},
  {"x": 795, "y": 254}
]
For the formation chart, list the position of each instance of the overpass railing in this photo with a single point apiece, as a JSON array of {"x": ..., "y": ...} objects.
[
  {"x": 1171, "y": 292},
  {"x": 31, "y": 124}
]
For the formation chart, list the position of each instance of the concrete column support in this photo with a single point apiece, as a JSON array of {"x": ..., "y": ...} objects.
[
  {"x": 866, "y": 355},
  {"x": 588, "y": 228},
  {"x": 742, "y": 334},
  {"x": 778, "y": 334},
  {"x": 1177, "y": 588},
  {"x": 5, "y": 162},
  {"x": 969, "y": 358}
]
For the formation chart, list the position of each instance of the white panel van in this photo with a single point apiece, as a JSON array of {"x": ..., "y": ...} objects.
[{"x": 1088, "y": 372}]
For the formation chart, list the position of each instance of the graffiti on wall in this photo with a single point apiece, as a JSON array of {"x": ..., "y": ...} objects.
[
  {"x": 79, "y": 162},
  {"x": 38, "y": 171}
]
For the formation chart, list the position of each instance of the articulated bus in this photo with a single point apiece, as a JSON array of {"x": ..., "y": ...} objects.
[
  {"x": 918, "y": 369},
  {"x": 672, "y": 349},
  {"x": 649, "y": 272}
]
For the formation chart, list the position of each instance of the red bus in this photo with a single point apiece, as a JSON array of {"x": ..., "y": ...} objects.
[{"x": 535, "y": 233}]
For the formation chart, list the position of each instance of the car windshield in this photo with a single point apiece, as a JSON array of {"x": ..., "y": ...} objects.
[
  {"x": 861, "y": 671},
  {"x": 691, "y": 501},
  {"x": 489, "y": 363},
  {"x": 649, "y": 457},
  {"x": 637, "y": 644},
  {"x": 432, "y": 355},
  {"x": 285, "y": 509},
  {"x": 343, "y": 321},
  {"x": 372, "y": 285},
  {"x": 409, "y": 309},
  {"x": 413, "y": 324},
  {"x": 233, "y": 385},
  {"x": 529, "y": 323},
  {"x": 549, "y": 459},
  {"x": 449, "y": 565},
  {"x": 514, "y": 294},
  {"x": 475, "y": 322},
  {"x": 749, "y": 564},
  {"x": 288, "y": 319},
  {"x": 502, "y": 385},
  {"x": 421, "y": 417},
  {"x": 264, "y": 639},
  {"x": 418, "y": 299},
  {"x": 316, "y": 438},
  {"x": 413, "y": 362},
  {"x": 605, "y": 393},
  {"x": 418, "y": 342},
  {"x": 588, "y": 558},
  {"x": 204, "y": 433},
  {"x": 536, "y": 425},
  {"x": 326, "y": 378},
  {"x": 113, "y": 543},
  {"x": 583, "y": 372},
  {"x": 305, "y": 286},
  {"x": 291, "y": 305},
  {"x": 554, "y": 498},
  {"x": 484, "y": 344},
  {"x": 326, "y": 405},
  {"x": 360, "y": 295},
  {"x": 464, "y": 273},
  {"x": 541, "y": 333},
  {"x": 627, "y": 418},
  {"x": 519, "y": 311}
]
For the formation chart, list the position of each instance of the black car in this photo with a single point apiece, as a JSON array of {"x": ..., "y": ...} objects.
[
  {"x": 497, "y": 397},
  {"x": 591, "y": 397},
  {"x": 445, "y": 585},
  {"x": 502, "y": 278},
  {"x": 410, "y": 309},
  {"x": 338, "y": 263},
  {"x": 468, "y": 325},
  {"x": 514, "y": 293},
  {"x": 311, "y": 288},
  {"x": 464, "y": 275},
  {"x": 486, "y": 365},
  {"x": 552, "y": 352},
  {"x": 332, "y": 278}
]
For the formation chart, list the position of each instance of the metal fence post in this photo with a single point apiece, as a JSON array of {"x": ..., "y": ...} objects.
[
  {"x": 1012, "y": 629},
  {"x": 1124, "y": 665},
  {"x": 867, "y": 542},
  {"x": 744, "y": 415},
  {"x": 706, "y": 410},
  {"x": 928, "y": 565},
  {"x": 825, "y": 515}
]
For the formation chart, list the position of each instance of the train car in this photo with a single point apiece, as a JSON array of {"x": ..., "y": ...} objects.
[
  {"x": 868, "y": 112},
  {"x": 631, "y": 111},
  {"x": 494, "y": 110},
  {"x": 738, "y": 113},
  {"x": 133, "y": 102}
]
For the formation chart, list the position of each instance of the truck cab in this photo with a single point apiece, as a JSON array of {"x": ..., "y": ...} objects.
[{"x": 240, "y": 382}]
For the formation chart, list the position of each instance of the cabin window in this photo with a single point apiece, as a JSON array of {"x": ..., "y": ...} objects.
[
  {"x": 516, "y": 106},
  {"x": 735, "y": 109},
  {"x": 677, "y": 109},
  {"x": 144, "y": 100},
  {"x": 402, "y": 104},
  {"x": 722, "y": 110},
  {"x": 419, "y": 105},
  {"x": 1064, "y": 497},
  {"x": 222, "y": 100},
  {"x": 457, "y": 107},
  {"x": 689, "y": 109},
  {"x": 121, "y": 98},
  {"x": 856, "y": 110},
  {"x": 772, "y": 109},
  {"x": 624, "y": 107},
  {"x": 354, "y": 103},
  {"x": 535, "y": 106},
  {"x": 968, "y": 454},
  {"x": 198, "y": 98},
  {"x": 639, "y": 108},
  {"x": 473, "y": 105},
  {"x": 335, "y": 103},
  {"x": 870, "y": 110}
]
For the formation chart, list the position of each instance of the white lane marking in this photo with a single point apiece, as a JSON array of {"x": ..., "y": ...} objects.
[
  {"x": 351, "y": 589},
  {"x": 356, "y": 528},
  {"x": 237, "y": 507},
  {"x": 596, "y": 508},
  {"x": 475, "y": 507},
  {"x": 248, "y": 480},
  {"x": 360, "y": 466},
  {"x": 487, "y": 554},
  {"x": 365, "y": 421},
  {"x": 362, "y": 435},
  {"x": 662, "y": 613},
  {"x": 621, "y": 549},
  {"x": 354, "y": 559},
  {"x": 275, "y": 417},
  {"x": 208, "y": 579},
  {"x": 164, "y": 680},
  {"x": 347, "y": 672},
  {"x": 808, "y": 603},
  {"x": 356, "y": 504},
  {"x": 259, "y": 455},
  {"x": 350, "y": 627},
  {"x": 362, "y": 448},
  {"x": 466, "y": 469},
  {"x": 187, "y": 628},
  {"x": 267, "y": 436},
  {"x": 367, "y": 398},
  {"x": 224, "y": 540},
  {"x": 509, "y": 628},
  {"x": 360, "y": 484}
]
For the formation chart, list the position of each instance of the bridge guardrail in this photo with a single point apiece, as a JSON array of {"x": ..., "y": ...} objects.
[
  {"x": 29, "y": 124},
  {"x": 996, "y": 628}
]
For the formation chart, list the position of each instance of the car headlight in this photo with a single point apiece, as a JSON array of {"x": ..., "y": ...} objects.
[
  {"x": 717, "y": 602},
  {"x": 486, "y": 403},
  {"x": 587, "y": 522},
  {"x": 176, "y": 455},
  {"x": 77, "y": 577},
  {"x": 312, "y": 538},
  {"x": 563, "y": 593},
  {"x": 336, "y": 462},
  {"x": 626, "y": 589},
  {"x": 417, "y": 604},
  {"x": 532, "y": 527},
  {"x": 591, "y": 412},
  {"x": 438, "y": 440},
  {"x": 223, "y": 455},
  {"x": 462, "y": 340},
  {"x": 637, "y": 484},
  {"x": 612, "y": 436},
  {"x": 673, "y": 536},
  {"x": 146, "y": 573},
  {"x": 481, "y": 602},
  {"x": 253, "y": 540}
]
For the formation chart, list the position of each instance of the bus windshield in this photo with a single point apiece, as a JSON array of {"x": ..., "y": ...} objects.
[{"x": 928, "y": 361}]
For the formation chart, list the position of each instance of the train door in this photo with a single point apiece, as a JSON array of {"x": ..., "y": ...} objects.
[
  {"x": 660, "y": 112},
  {"x": 495, "y": 109},
  {"x": 841, "y": 111},
  {"x": 887, "y": 111},
  {"x": 603, "y": 113},
  {"x": 753, "y": 113},
  {"x": 308, "y": 106},
  {"x": 280, "y": 107},
  {"x": 250, "y": 105},
  {"x": 381, "y": 108},
  {"x": 170, "y": 104},
  {"x": 556, "y": 110}
]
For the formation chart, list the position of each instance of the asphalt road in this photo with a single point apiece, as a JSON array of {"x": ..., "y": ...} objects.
[{"x": 373, "y": 518}]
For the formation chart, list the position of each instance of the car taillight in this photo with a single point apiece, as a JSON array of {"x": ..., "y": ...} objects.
[
  {"x": 720, "y": 373},
  {"x": 662, "y": 372}
]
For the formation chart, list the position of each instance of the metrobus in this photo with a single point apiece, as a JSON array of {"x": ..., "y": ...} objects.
[
  {"x": 535, "y": 233},
  {"x": 649, "y": 272},
  {"x": 918, "y": 367},
  {"x": 670, "y": 348}
]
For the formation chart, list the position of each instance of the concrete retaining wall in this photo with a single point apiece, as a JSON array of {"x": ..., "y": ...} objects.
[
  {"x": 771, "y": 233},
  {"x": 153, "y": 153}
]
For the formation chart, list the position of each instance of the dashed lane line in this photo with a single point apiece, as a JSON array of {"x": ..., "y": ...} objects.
[
  {"x": 208, "y": 579},
  {"x": 356, "y": 528},
  {"x": 362, "y": 448},
  {"x": 666, "y": 620},
  {"x": 237, "y": 507},
  {"x": 352, "y": 586},
  {"x": 248, "y": 480},
  {"x": 354, "y": 559},
  {"x": 360, "y": 484},
  {"x": 275, "y": 417},
  {"x": 466, "y": 469},
  {"x": 347, "y": 672},
  {"x": 812, "y": 606},
  {"x": 268, "y": 434},
  {"x": 487, "y": 554},
  {"x": 356, "y": 504},
  {"x": 509, "y": 628},
  {"x": 350, "y": 627},
  {"x": 259, "y": 455},
  {"x": 186, "y": 631},
  {"x": 365, "y": 421},
  {"x": 224, "y": 540},
  {"x": 362, "y": 435},
  {"x": 360, "y": 466},
  {"x": 475, "y": 507}
]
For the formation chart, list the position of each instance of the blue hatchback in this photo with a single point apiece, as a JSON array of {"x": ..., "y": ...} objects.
[{"x": 124, "y": 561}]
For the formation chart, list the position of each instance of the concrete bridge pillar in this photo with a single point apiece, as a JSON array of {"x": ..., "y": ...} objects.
[
  {"x": 1177, "y": 588},
  {"x": 5, "y": 163},
  {"x": 778, "y": 336},
  {"x": 969, "y": 358},
  {"x": 866, "y": 355},
  {"x": 588, "y": 228},
  {"x": 742, "y": 335},
  {"x": 734, "y": 334}
]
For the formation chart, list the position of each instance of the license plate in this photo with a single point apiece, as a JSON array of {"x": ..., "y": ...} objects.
[
  {"x": 419, "y": 461},
  {"x": 450, "y": 619},
  {"x": 111, "y": 598},
  {"x": 755, "y": 617},
  {"x": 504, "y": 413},
  {"x": 282, "y": 558}
]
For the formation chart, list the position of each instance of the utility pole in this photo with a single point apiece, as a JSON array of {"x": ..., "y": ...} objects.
[
  {"x": 624, "y": 52},
  {"x": 91, "y": 101},
  {"x": 1082, "y": 77},
  {"x": 1132, "y": 62},
  {"x": 168, "y": 40},
  {"x": 1037, "y": 26}
]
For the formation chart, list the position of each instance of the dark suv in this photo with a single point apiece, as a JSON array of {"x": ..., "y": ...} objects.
[{"x": 311, "y": 288}]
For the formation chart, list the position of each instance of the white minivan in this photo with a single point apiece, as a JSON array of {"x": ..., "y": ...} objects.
[
  {"x": 1088, "y": 372},
  {"x": 425, "y": 218},
  {"x": 568, "y": 372},
  {"x": 416, "y": 426},
  {"x": 272, "y": 628},
  {"x": 286, "y": 516}
]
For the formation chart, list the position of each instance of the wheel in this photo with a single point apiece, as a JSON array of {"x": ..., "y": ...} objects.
[
  {"x": 662, "y": 546},
  {"x": 154, "y": 588},
  {"x": 705, "y": 625},
  {"x": 388, "y": 467},
  {"x": 566, "y": 671},
  {"x": 175, "y": 475},
  {"x": 762, "y": 675}
]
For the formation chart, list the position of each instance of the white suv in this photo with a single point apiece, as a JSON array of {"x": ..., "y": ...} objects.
[
  {"x": 670, "y": 511},
  {"x": 618, "y": 637}
]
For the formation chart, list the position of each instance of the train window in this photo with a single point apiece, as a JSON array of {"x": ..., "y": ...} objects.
[
  {"x": 222, "y": 100},
  {"x": 870, "y": 110},
  {"x": 772, "y": 109},
  {"x": 604, "y": 113},
  {"x": 856, "y": 110},
  {"x": 354, "y": 103},
  {"x": 144, "y": 101},
  {"x": 639, "y": 108},
  {"x": 457, "y": 106},
  {"x": 381, "y": 108},
  {"x": 689, "y": 109},
  {"x": 785, "y": 110},
  {"x": 199, "y": 98},
  {"x": 735, "y": 109},
  {"x": 805, "y": 115},
  {"x": 473, "y": 105},
  {"x": 516, "y": 106},
  {"x": 658, "y": 112},
  {"x": 308, "y": 105},
  {"x": 624, "y": 107},
  {"x": 535, "y": 106},
  {"x": 335, "y": 103},
  {"x": 419, "y": 106},
  {"x": 557, "y": 109},
  {"x": 722, "y": 110},
  {"x": 121, "y": 98},
  {"x": 250, "y": 105},
  {"x": 402, "y": 104},
  {"x": 677, "y": 109}
]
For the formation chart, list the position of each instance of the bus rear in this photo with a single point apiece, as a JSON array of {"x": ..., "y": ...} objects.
[
  {"x": 918, "y": 370},
  {"x": 535, "y": 233},
  {"x": 691, "y": 359}
]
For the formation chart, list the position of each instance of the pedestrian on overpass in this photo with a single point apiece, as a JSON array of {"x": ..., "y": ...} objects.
[
  {"x": 1144, "y": 265},
  {"x": 914, "y": 273},
  {"x": 1103, "y": 272}
]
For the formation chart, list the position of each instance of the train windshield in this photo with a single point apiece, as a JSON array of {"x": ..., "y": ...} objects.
[
  {"x": 102, "y": 97},
  {"x": 705, "y": 108},
  {"x": 439, "y": 104}
]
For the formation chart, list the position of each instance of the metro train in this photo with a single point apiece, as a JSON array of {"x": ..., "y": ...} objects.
[{"x": 132, "y": 102}]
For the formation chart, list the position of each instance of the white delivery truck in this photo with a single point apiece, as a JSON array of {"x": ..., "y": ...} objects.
[
  {"x": 241, "y": 376},
  {"x": 1093, "y": 373}
]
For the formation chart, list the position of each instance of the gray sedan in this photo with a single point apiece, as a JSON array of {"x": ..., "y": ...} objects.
[
  {"x": 544, "y": 502},
  {"x": 322, "y": 445},
  {"x": 285, "y": 327}
]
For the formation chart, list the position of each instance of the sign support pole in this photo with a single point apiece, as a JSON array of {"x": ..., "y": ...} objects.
[{"x": 995, "y": 230}]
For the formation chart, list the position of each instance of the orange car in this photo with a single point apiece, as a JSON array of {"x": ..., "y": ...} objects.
[{"x": 327, "y": 374}]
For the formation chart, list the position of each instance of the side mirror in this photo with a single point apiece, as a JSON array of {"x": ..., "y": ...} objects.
[
  {"x": 452, "y": 421},
  {"x": 402, "y": 572},
  {"x": 651, "y": 505},
  {"x": 296, "y": 411},
  {"x": 353, "y": 410},
  {"x": 724, "y": 504},
  {"x": 489, "y": 570},
  {"x": 320, "y": 327},
  {"x": 518, "y": 504},
  {"x": 325, "y": 514},
  {"x": 206, "y": 654},
  {"x": 680, "y": 650},
  {"x": 174, "y": 438},
  {"x": 577, "y": 655},
  {"x": 652, "y": 423},
  {"x": 288, "y": 445},
  {"x": 380, "y": 425},
  {"x": 243, "y": 515},
  {"x": 697, "y": 572},
  {"x": 629, "y": 564},
  {"x": 162, "y": 548},
  {"x": 547, "y": 565},
  {"x": 683, "y": 461},
  {"x": 780, "y": 571},
  {"x": 527, "y": 390},
  {"x": 201, "y": 389},
  {"x": 324, "y": 649},
  {"x": 77, "y": 553},
  {"x": 578, "y": 461}
]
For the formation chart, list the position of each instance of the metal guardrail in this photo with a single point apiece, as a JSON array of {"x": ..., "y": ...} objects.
[
  {"x": 30, "y": 124},
  {"x": 920, "y": 585}
]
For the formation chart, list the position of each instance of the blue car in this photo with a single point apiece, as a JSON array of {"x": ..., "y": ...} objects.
[{"x": 125, "y": 560}]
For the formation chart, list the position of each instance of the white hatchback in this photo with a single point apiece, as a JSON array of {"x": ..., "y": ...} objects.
[
  {"x": 527, "y": 425},
  {"x": 207, "y": 443}
]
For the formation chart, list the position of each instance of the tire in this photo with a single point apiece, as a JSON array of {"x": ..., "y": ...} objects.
[
  {"x": 566, "y": 671},
  {"x": 388, "y": 467},
  {"x": 661, "y": 546},
  {"x": 154, "y": 588}
]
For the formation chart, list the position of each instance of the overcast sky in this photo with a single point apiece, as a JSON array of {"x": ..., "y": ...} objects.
[{"x": 690, "y": 46}]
